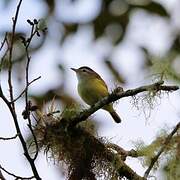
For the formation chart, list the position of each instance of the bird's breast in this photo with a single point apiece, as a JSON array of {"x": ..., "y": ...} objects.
[{"x": 92, "y": 91}]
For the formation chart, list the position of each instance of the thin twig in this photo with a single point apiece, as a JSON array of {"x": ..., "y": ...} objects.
[
  {"x": 10, "y": 53},
  {"x": 33, "y": 32},
  {"x": 15, "y": 176},
  {"x": 3, "y": 42},
  {"x": 9, "y": 138},
  {"x": 25, "y": 89},
  {"x": 166, "y": 142}
]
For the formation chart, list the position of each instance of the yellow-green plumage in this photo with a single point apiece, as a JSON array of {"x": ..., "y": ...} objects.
[{"x": 92, "y": 88}]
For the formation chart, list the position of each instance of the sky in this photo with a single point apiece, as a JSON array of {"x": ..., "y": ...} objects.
[{"x": 78, "y": 51}]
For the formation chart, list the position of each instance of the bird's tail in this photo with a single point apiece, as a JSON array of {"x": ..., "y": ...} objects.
[{"x": 115, "y": 116}]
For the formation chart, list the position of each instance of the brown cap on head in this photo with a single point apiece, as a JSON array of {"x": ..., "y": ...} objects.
[
  {"x": 84, "y": 68},
  {"x": 87, "y": 68}
]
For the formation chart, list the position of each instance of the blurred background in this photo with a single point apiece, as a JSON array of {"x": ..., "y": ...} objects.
[{"x": 128, "y": 42}]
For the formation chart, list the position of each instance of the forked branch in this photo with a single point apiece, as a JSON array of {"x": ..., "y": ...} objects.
[{"x": 11, "y": 103}]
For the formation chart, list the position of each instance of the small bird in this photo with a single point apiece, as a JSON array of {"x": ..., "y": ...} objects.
[{"x": 92, "y": 88}]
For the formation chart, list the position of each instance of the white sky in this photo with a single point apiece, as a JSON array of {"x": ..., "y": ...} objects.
[{"x": 80, "y": 50}]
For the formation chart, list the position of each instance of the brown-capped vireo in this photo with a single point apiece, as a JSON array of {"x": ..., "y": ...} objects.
[{"x": 92, "y": 88}]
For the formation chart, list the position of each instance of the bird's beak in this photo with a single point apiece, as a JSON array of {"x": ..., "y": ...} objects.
[{"x": 74, "y": 69}]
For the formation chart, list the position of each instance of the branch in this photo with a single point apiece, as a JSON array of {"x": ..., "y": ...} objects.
[
  {"x": 11, "y": 104},
  {"x": 15, "y": 176},
  {"x": 119, "y": 165},
  {"x": 26, "y": 153},
  {"x": 26, "y": 43},
  {"x": 155, "y": 158},
  {"x": 9, "y": 138},
  {"x": 88, "y": 152},
  {"x": 123, "y": 169},
  {"x": 25, "y": 89},
  {"x": 122, "y": 152},
  {"x": 10, "y": 53},
  {"x": 116, "y": 95}
]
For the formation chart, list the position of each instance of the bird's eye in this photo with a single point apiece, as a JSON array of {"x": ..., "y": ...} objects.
[{"x": 84, "y": 70}]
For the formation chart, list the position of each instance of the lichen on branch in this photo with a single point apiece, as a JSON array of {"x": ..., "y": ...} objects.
[
  {"x": 84, "y": 154},
  {"x": 114, "y": 96}
]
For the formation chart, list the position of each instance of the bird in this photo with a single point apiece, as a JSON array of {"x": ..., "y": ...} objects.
[{"x": 92, "y": 88}]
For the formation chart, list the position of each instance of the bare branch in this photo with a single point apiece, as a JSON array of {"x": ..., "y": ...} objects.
[
  {"x": 116, "y": 95},
  {"x": 9, "y": 138},
  {"x": 26, "y": 88},
  {"x": 166, "y": 142},
  {"x": 33, "y": 32},
  {"x": 26, "y": 153},
  {"x": 11, "y": 104},
  {"x": 15, "y": 176},
  {"x": 10, "y": 53}
]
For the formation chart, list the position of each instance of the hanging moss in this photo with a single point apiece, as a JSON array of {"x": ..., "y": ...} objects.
[{"x": 83, "y": 155}]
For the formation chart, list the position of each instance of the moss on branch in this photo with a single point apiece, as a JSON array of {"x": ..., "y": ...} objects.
[
  {"x": 84, "y": 154},
  {"x": 114, "y": 96}
]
